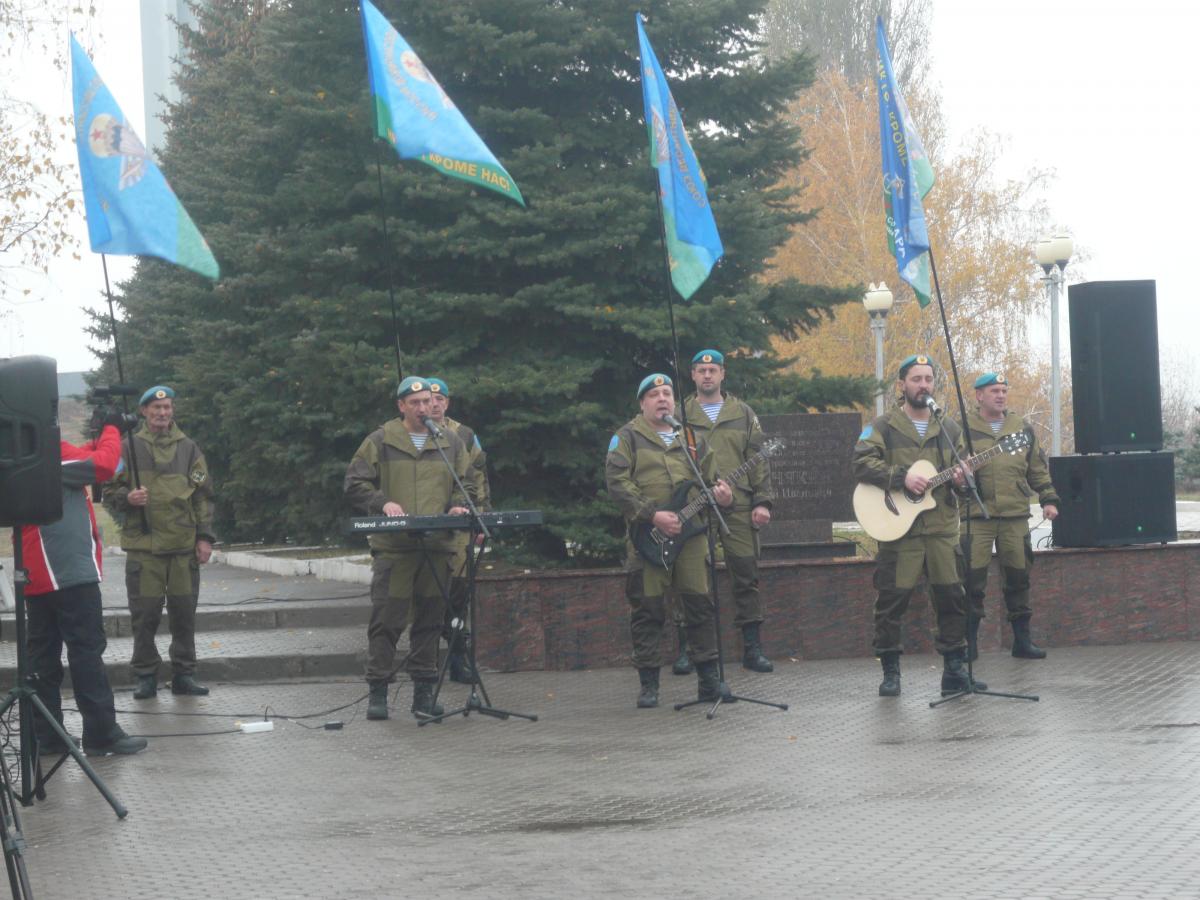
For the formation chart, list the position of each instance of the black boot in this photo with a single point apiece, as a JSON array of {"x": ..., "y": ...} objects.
[
  {"x": 973, "y": 638},
  {"x": 683, "y": 665},
  {"x": 752, "y": 656},
  {"x": 147, "y": 687},
  {"x": 890, "y": 686},
  {"x": 708, "y": 681},
  {"x": 460, "y": 668},
  {"x": 1023, "y": 646},
  {"x": 955, "y": 679},
  {"x": 118, "y": 744},
  {"x": 186, "y": 684},
  {"x": 423, "y": 706},
  {"x": 648, "y": 698},
  {"x": 377, "y": 701}
]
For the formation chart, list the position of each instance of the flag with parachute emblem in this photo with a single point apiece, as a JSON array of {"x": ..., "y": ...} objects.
[
  {"x": 131, "y": 209},
  {"x": 907, "y": 177},
  {"x": 415, "y": 116},
  {"x": 693, "y": 244}
]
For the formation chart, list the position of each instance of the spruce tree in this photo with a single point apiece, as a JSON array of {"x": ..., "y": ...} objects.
[{"x": 542, "y": 319}]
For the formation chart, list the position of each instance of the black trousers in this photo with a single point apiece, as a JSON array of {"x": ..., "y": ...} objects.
[{"x": 72, "y": 616}]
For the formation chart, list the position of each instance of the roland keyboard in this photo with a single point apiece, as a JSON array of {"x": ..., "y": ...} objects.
[{"x": 517, "y": 518}]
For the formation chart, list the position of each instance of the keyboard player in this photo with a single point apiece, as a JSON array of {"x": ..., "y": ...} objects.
[{"x": 398, "y": 471}]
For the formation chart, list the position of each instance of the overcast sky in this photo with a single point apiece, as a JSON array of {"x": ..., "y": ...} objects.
[{"x": 1104, "y": 93}]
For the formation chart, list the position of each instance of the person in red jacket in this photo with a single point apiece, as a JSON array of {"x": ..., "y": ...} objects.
[{"x": 64, "y": 566}]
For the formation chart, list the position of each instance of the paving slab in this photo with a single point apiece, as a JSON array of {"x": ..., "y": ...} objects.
[{"x": 1091, "y": 792}]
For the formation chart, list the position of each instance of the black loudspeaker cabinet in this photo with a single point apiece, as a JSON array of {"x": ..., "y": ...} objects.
[
  {"x": 1114, "y": 366},
  {"x": 1114, "y": 499},
  {"x": 30, "y": 455}
]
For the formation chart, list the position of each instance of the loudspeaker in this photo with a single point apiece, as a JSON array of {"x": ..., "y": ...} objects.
[
  {"x": 31, "y": 490},
  {"x": 1119, "y": 498},
  {"x": 1114, "y": 366}
]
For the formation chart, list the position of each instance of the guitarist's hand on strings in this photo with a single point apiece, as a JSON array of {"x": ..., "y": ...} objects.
[
  {"x": 959, "y": 476},
  {"x": 667, "y": 522},
  {"x": 723, "y": 493},
  {"x": 915, "y": 483}
]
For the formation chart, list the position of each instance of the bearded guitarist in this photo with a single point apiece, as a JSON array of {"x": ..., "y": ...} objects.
[
  {"x": 644, "y": 467},
  {"x": 885, "y": 450}
]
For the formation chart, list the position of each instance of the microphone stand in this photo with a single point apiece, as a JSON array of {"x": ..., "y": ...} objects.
[
  {"x": 724, "y": 693},
  {"x": 971, "y": 688},
  {"x": 477, "y": 527}
]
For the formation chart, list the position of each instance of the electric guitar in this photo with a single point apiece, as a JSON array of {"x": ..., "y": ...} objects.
[
  {"x": 887, "y": 515},
  {"x": 660, "y": 549}
]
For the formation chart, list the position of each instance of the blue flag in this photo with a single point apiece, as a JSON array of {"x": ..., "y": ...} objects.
[
  {"x": 131, "y": 210},
  {"x": 907, "y": 177},
  {"x": 414, "y": 115},
  {"x": 693, "y": 244}
]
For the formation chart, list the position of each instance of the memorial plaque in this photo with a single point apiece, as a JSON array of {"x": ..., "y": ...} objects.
[{"x": 811, "y": 477}]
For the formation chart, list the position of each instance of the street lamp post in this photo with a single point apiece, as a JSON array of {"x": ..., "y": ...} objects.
[
  {"x": 878, "y": 302},
  {"x": 1053, "y": 254}
]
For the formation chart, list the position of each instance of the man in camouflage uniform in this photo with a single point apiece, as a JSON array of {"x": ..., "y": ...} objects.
[
  {"x": 398, "y": 471},
  {"x": 644, "y": 467},
  {"x": 1006, "y": 485},
  {"x": 459, "y": 666},
  {"x": 882, "y": 457},
  {"x": 167, "y": 535},
  {"x": 730, "y": 430}
]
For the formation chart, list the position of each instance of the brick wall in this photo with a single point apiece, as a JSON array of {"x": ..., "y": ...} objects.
[{"x": 818, "y": 609}]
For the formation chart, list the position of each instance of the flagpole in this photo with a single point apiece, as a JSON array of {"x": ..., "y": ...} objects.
[
  {"x": 662, "y": 233},
  {"x": 962, "y": 406},
  {"x": 387, "y": 253},
  {"x": 112, "y": 320}
]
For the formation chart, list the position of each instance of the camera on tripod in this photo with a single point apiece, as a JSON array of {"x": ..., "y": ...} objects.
[{"x": 102, "y": 399}]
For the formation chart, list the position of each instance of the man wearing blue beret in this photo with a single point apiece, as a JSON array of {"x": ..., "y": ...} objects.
[
  {"x": 1007, "y": 485},
  {"x": 398, "y": 471},
  {"x": 167, "y": 535},
  {"x": 883, "y": 456},
  {"x": 730, "y": 429},
  {"x": 644, "y": 468}
]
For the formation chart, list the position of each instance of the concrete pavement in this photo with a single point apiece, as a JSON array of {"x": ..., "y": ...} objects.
[{"x": 1090, "y": 793}]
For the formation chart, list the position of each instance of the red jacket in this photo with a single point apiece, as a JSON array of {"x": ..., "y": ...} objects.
[{"x": 67, "y": 553}]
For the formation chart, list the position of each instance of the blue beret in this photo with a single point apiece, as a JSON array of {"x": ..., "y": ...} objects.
[
  {"x": 709, "y": 356},
  {"x": 158, "y": 392},
  {"x": 411, "y": 385},
  {"x": 437, "y": 386},
  {"x": 917, "y": 359},
  {"x": 653, "y": 381},
  {"x": 989, "y": 378}
]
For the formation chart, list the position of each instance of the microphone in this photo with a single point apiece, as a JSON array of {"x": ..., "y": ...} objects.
[
  {"x": 673, "y": 422},
  {"x": 932, "y": 406},
  {"x": 432, "y": 426}
]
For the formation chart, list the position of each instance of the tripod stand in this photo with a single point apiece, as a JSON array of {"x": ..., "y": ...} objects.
[
  {"x": 478, "y": 529},
  {"x": 14, "y": 841},
  {"x": 724, "y": 694},
  {"x": 30, "y": 705}
]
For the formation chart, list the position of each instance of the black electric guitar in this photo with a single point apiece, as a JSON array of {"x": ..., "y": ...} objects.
[{"x": 660, "y": 549}]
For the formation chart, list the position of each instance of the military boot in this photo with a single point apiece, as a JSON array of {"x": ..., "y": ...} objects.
[
  {"x": 1023, "y": 646},
  {"x": 955, "y": 679},
  {"x": 423, "y": 706},
  {"x": 119, "y": 744},
  {"x": 377, "y": 701},
  {"x": 186, "y": 684},
  {"x": 890, "y": 686},
  {"x": 147, "y": 687},
  {"x": 648, "y": 698},
  {"x": 708, "y": 681},
  {"x": 460, "y": 668},
  {"x": 752, "y": 656},
  {"x": 683, "y": 665},
  {"x": 973, "y": 638}
]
